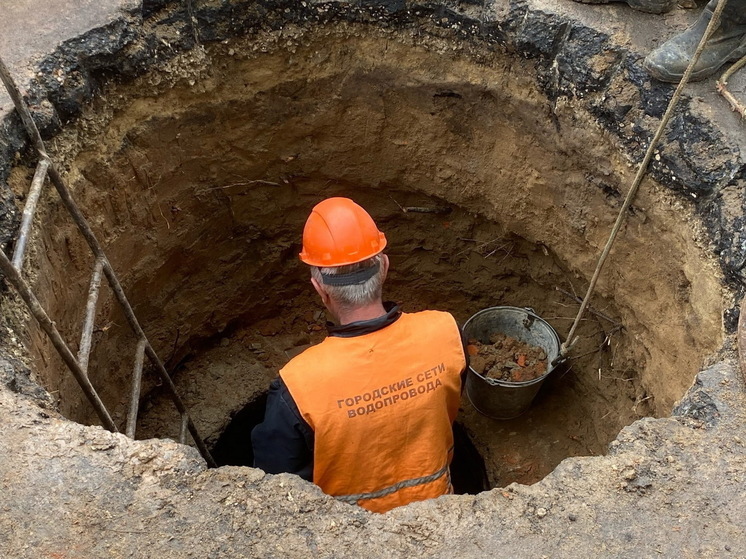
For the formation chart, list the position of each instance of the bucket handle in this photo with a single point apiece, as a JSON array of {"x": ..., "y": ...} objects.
[
  {"x": 564, "y": 351},
  {"x": 558, "y": 360}
]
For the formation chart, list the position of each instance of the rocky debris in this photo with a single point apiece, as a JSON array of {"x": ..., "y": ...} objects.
[
  {"x": 508, "y": 359},
  {"x": 668, "y": 489},
  {"x": 699, "y": 403},
  {"x": 17, "y": 378}
]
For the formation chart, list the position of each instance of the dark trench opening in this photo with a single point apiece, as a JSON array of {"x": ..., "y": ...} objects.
[{"x": 233, "y": 448}]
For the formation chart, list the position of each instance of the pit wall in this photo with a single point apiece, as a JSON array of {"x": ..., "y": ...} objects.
[
  {"x": 573, "y": 63},
  {"x": 670, "y": 488},
  {"x": 570, "y": 70},
  {"x": 224, "y": 150}
]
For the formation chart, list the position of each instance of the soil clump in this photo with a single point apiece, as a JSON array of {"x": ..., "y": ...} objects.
[{"x": 507, "y": 358}]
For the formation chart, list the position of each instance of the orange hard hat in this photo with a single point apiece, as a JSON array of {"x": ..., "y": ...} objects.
[{"x": 339, "y": 232}]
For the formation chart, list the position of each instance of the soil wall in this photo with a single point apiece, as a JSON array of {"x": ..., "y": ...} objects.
[{"x": 669, "y": 487}]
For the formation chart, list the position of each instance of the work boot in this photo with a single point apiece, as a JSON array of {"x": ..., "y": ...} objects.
[
  {"x": 649, "y": 6},
  {"x": 669, "y": 61}
]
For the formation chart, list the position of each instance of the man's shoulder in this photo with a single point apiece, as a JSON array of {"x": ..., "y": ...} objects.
[
  {"x": 430, "y": 311},
  {"x": 307, "y": 354},
  {"x": 430, "y": 322},
  {"x": 432, "y": 315}
]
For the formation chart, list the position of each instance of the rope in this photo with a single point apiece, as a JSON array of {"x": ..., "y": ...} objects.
[
  {"x": 714, "y": 22},
  {"x": 722, "y": 86}
]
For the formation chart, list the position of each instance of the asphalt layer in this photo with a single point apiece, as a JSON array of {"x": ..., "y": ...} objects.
[{"x": 30, "y": 29}]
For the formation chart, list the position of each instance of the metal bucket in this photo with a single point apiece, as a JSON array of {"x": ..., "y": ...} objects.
[{"x": 500, "y": 399}]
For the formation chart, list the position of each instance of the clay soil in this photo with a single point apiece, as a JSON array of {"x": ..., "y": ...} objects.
[{"x": 508, "y": 359}]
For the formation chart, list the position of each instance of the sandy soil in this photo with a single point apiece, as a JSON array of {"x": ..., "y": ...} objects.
[{"x": 484, "y": 204}]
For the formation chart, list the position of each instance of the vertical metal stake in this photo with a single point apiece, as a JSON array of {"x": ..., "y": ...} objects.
[
  {"x": 183, "y": 430},
  {"x": 28, "y": 212},
  {"x": 86, "y": 338},
  {"x": 136, "y": 389}
]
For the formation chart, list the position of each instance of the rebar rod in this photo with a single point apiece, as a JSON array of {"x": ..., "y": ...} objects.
[
  {"x": 642, "y": 170},
  {"x": 136, "y": 389},
  {"x": 179, "y": 404},
  {"x": 183, "y": 429},
  {"x": 37, "y": 311},
  {"x": 27, "y": 219},
  {"x": 129, "y": 314},
  {"x": 86, "y": 338}
]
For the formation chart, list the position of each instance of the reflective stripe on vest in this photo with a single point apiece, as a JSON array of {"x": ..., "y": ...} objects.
[
  {"x": 381, "y": 406},
  {"x": 354, "y": 499}
]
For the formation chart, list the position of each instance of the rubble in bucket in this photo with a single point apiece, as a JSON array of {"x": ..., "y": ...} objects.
[{"x": 507, "y": 358}]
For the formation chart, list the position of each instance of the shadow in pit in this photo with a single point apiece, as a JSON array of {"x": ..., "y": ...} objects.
[
  {"x": 233, "y": 448},
  {"x": 468, "y": 472}
]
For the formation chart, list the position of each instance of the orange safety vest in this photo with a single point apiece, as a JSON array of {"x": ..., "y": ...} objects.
[{"x": 381, "y": 406}]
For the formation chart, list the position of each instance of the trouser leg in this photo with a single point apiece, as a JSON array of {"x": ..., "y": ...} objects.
[{"x": 735, "y": 11}]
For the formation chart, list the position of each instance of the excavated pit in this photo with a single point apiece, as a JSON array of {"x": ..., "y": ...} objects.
[{"x": 198, "y": 178}]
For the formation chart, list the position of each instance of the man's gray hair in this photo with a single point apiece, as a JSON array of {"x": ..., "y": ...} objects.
[{"x": 352, "y": 296}]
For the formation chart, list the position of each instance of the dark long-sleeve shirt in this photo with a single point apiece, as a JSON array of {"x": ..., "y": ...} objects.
[{"x": 284, "y": 441}]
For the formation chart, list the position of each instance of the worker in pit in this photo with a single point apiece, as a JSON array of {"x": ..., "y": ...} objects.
[
  {"x": 367, "y": 414},
  {"x": 669, "y": 61}
]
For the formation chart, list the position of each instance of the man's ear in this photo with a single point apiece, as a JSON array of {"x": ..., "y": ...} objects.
[
  {"x": 385, "y": 264},
  {"x": 321, "y": 291}
]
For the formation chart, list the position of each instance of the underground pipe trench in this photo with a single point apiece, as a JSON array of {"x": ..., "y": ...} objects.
[{"x": 199, "y": 175}]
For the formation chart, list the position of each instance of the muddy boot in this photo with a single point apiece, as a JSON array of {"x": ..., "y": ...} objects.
[
  {"x": 669, "y": 61},
  {"x": 649, "y": 6}
]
